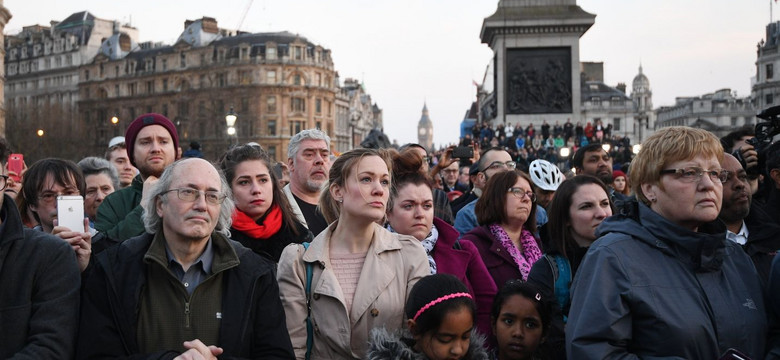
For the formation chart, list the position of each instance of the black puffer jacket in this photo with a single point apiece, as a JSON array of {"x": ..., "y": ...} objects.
[
  {"x": 383, "y": 345},
  {"x": 649, "y": 288}
]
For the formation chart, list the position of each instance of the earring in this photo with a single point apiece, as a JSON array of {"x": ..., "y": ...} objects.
[{"x": 340, "y": 201}]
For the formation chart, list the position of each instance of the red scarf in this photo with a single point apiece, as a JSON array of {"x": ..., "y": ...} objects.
[{"x": 271, "y": 225}]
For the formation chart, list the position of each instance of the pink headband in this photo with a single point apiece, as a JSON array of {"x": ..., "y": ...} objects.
[{"x": 434, "y": 302}]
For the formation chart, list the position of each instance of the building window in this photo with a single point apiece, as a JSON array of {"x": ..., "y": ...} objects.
[
  {"x": 616, "y": 124},
  {"x": 270, "y": 77},
  {"x": 271, "y": 104},
  {"x": 86, "y": 75},
  {"x": 202, "y": 108},
  {"x": 245, "y": 53},
  {"x": 202, "y": 59},
  {"x": 165, "y": 110},
  {"x": 164, "y": 64},
  {"x": 596, "y": 101},
  {"x": 244, "y": 105},
  {"x": 116, "y": 90},
  {"x": 165, "y": 84},
  {"x": 318, "y": 125},
  {"x": 244, "y": 77},
  {"x": 770, "y": 71},
  {"x": 296, "y": 127},
  {"x": 184, "y": 108},
  {"x": 270, "y": 53},
  {"x": 272, "y": 127},
  {"x": 296, "y": 79},
  {"x": 131, "y": 89},
  {"x": 769, "y": 99},
  {"x": 318, "y": 78},
  {"x": 298, "y": 105},
  {"x": 202, "y": 81},
  {"x": 318, "y": 106},
  {"x": 733, "y": 121},
  {"x": 150, "y": 87},
  {"x": 222, "y": 79},
  {"x": 298, "y": 53},
  {"x": 182, "y": 60},
  {"x": 272, "y": 152},
  {"x": 616, "y": 101}
]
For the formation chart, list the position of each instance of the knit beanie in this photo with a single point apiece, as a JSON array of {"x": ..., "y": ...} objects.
[
  {"x": 617, "y": 173},
  {"x": 146, "y": 120}
]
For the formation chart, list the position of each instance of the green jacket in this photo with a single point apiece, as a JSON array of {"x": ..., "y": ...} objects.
[{"x": 119, "y": 216}]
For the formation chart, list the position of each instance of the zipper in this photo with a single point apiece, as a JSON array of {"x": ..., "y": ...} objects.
[{"x": 187, "y": 314}]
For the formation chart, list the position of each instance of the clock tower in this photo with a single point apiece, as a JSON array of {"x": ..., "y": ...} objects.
[{"x": 425, "y": 129}]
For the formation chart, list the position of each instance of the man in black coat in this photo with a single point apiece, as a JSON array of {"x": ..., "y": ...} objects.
[
  {"x": 183, "y": 288},
  {"x": 39, "y": 288}
]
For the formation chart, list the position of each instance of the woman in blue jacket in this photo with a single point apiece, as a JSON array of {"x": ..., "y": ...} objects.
[{"x": 662, "y": 280}]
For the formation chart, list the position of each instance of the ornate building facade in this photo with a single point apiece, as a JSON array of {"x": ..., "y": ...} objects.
[
  {"x": 766, "y": 84},
  {"x": 5, "y": 15},
  {"x": 719, "y": 112},
  {"x": 42, "y": 75},
  {"x": 277, "y": 83},
  {"x": 358, "y": 115}
]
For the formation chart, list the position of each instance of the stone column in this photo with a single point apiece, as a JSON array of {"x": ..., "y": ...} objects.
[{"x": 536, "y": 59}]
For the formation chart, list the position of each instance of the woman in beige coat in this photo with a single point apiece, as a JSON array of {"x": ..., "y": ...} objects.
[{"x": 362, "y": 273}]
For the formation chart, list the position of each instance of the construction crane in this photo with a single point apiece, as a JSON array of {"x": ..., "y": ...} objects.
[{"x": 243, "y": 17}]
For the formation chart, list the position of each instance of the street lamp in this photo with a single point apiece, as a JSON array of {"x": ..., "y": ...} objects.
[
  {"x": 606, "y": 147},
  {"x": 230, "y": 121},
  {"x": 39, "y": 132},
  {"x": 636, "y": 148},
  {"x": 114, "y": 120}
]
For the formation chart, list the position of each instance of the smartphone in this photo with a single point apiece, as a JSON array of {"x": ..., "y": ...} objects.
[
  {"x": 733, "y": 354},
  {"x": 16, "y": 164},
  {"x": 70, "y": 212},
  {"x": 463, "y": 152}
]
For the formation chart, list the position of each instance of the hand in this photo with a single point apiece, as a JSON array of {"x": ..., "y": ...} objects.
[
  {"x": 446, "y": 158},
  {"x": 475, "y": 158},
  {"x": 81, "y": 242},
  {"x": 196, "y": 349},
  {"x": 148, "y": 184},
  {"x": 750, "y": 156}
]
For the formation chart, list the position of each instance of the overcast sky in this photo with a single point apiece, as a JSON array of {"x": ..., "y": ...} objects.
[{"x": 409, "y": 52}]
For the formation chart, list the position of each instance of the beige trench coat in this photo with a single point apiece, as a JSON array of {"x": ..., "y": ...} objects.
[{"x": 394, "y": 263}]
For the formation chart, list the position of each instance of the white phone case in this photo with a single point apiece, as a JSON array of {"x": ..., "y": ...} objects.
[{"x": 70, "y": 212}]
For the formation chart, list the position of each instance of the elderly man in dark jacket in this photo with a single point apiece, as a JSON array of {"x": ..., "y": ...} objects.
[
  {"x": 39, "y": 289},
  {"x": 183, "y": 287}
]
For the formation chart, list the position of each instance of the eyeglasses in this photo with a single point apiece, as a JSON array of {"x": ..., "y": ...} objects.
[
  {"x": 511, "y": 165},
  {"x": 192, "y": 195},
  {"x": 694, "y": 174},
  {"x": 448, "y": 171},
  {"x": 49, "y": 196},
  {"x": 4, "y": 180},
  {"x": 426, "y": 159},
  {"x": 522, "y": 194},
  {"x": 741, "y": 176}
]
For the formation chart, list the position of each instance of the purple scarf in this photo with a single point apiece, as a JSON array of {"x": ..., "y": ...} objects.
[{"x": 524, "y": 257}]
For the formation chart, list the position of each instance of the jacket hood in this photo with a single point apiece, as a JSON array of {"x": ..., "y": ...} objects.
[
  {"x": 384, "y": 345},
  {"x": 703, "y": 249}
]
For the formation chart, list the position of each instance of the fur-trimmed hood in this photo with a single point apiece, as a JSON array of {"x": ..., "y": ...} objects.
[{"x": 384, "y": 345}]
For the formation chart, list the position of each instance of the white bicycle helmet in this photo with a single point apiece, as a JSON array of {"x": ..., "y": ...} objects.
[{"x": 545, "y": 175}]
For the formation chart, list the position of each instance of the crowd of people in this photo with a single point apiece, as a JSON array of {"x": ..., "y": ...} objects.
[{"x": 397, "y": 253}]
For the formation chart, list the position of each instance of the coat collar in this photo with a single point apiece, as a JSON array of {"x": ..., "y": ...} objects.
[{"x": 382, "y": 241}]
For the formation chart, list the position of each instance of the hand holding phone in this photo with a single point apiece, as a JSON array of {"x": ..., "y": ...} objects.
[{"x": 16, "y": 166}]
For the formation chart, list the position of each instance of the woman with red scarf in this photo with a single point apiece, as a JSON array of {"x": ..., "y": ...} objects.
[{"x": 262, "y": 220}]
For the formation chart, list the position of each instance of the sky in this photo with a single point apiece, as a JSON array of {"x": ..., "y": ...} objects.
[{"x": 414, "y": 52}]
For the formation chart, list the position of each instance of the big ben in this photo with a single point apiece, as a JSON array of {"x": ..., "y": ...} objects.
[{"x": 425, "y": 130}]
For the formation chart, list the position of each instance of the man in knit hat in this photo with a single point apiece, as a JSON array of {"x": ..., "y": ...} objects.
[{"x": 151, "y": 142}]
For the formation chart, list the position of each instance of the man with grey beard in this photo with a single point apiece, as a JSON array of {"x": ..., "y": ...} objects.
[{"x": 308, "y": 156}]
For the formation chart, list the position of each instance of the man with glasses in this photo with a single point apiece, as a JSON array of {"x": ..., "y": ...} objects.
[
  {"x": 184, "y": 287},
  {"x": 747, "y": 224},
  {"x": 39, "y": 282},
  {"x": 492, "y": 161},
  {"x": 43, "y": 182}
]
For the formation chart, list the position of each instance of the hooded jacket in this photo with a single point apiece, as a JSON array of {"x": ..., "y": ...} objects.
[
  {"x": 649, "y": 288},
  {"x": 386, "y": 346}
]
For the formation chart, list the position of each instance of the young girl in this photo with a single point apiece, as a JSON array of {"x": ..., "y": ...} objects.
[
  {"x": 440, "y": 314},
  {"x": 521, "y": 319}
]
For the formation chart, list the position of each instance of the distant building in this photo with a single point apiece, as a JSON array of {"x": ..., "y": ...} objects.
[
  {"x": 42, "y": 73},
  {"x": 5, "y": 15},
  {"x": 425, "y": 129},
  {"x": 642, "y": 96},
  {"x": 278, "y": 84},
  {"x": 766, "y": 84},
  {"x": 719, "y": 112},
  {"x": 357, "y": 115}
]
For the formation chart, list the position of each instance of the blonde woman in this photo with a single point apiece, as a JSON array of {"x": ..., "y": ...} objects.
[{"x": 361, "y": 273}]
